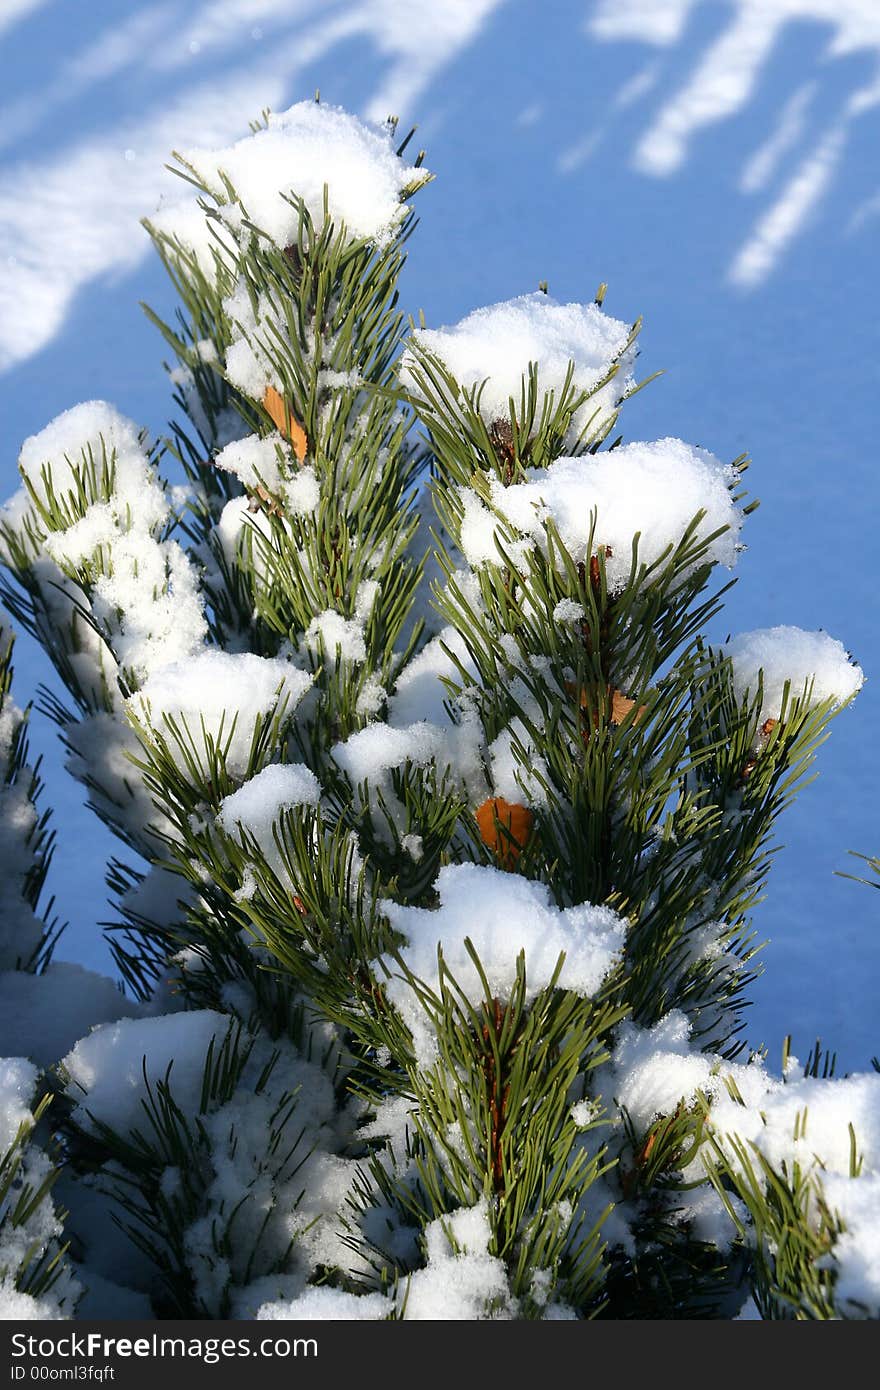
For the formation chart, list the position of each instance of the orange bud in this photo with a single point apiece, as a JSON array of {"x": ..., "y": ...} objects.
[
  {"x": 506, "y": 828},
  {"x": 621, "y": 704},
  {"x": 278, "y": 409}
]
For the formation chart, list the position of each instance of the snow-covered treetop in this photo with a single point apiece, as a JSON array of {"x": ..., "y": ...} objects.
[
  {"x": 816, "y": 665},
  {"x": 303, "y": 150},
  {"x": 496, "y": 344}
]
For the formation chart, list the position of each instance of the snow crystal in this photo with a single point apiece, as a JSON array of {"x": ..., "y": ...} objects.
[
  {"x": 496, "y": 344},
  {"x": 652, "y": 1069},
  {"x": 831, "y": 1105},
  {"x": 518, "y": 778},
  {"x": 212, "y": 689},
  {"x": 818, "y": 666},
  {"x": 91, "y": 663},
  {"x": 810, "y": 1122},
  {"x": 584, "y": 1113},
  {"x": 155, "y": 587},
  {"x": 371, "y": 697},
  {"x": 371, "y": 755},
  {"x": 256, "y": 808},
  {"x": 23, "y": 1307},
  {"x": 653, "y": 490},
  {"x": 106, "y": 1069},
  {"x": 372, "y": 751},
  {"x": 567, "y": 611},
  {"x": 501, "y": 914},
  {"x": 145, "y": 594},
  {"x": 253, "y": 327},
  {"x": 33, "y": 1235},
  {"x": 303, "y": 149},
  {"x": 203, "y": 237},
  {"x": 326, "y": 1182},
  {"x": 42, "y": 1016},
  {"x": 241, "y": 531}
]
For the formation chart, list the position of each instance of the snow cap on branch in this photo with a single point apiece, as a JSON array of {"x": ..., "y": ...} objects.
[
  {"x": 653, "y": 490},
  {"x": 212, "y": 689},
  {"x": 300, "y": 151},
  {"x": 18, "y": 1079},
  {"x": 261, "y": 800},
  {"x": 496, "y": 344},
  {"x": 31, "y": 1231},
  {"x": 324, "y": 1304},
  {"x": 253, "y": 460},
  {"x": 106, "y": 1068},
  {"x": 143, "y": 590},
  {"x": 60, "y": 447},
  {"x": 501, "y": 914},
  {"x": 42, "y": 1016},
  {"x": 814, "y": 664}
]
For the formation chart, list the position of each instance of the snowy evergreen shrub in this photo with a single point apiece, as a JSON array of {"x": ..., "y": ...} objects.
[{"x": 441, "y": 820}]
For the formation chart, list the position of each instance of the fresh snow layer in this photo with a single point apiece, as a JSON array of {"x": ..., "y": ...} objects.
[
  {"x": 816, "y": 665},
  {"x": 856, "y": 1256},
  {"x": 324, "y": 1304},
  {"x": 805, "y": 1121},
  {"x": 372, "y": 751},
  {"x": 650, "y": 490},
  {"x": 501, "y": 914},
  {"x": 215, "y": 688},
  {"x": 254, "y": 460},
  {"x": 106, "y": 1069},
  {"x": 302, "y": 151},
  {"x": 256, "y": 808},
  {"x": 18, "y": 1077},
  {"x": 260, "y": 801},
  {"x": 22, "y": 1307},
  {"x": 34, "y": 1234},
  {"x": 266, "y": 461},
  {"x": 420, "y": 693},
  {"x": 62, "y": 442},
  {"x": 461, "y": 1281},
  {"x": 494, "y": 346},
  {"x": 144, "y": 591},
  {"x": 42, "y": 1016}
]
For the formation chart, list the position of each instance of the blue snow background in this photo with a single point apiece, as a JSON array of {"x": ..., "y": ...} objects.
[{"x": 715, "y": 163}]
